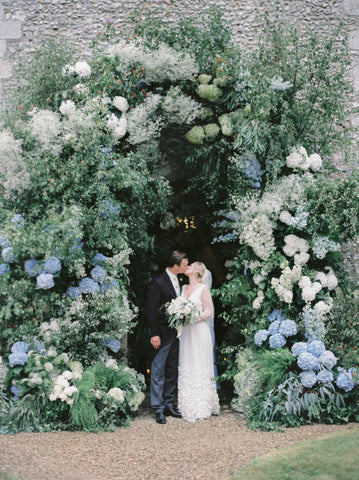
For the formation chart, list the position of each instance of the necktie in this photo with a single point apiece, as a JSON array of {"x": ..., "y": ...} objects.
[{"x": 176, "y": 285}]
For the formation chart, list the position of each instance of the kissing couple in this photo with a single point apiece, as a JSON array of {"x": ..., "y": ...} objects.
[{"x": 182, "y": 365}]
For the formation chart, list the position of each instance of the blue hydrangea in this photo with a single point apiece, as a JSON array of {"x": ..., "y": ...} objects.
[
  {"x": 277, "y": 340},
  {"x": 112, "y": 343},
  {"x": 76, "y": 246},
  {"x": 325, "y": 376},
  {"x": 106, "y": 286},
  {"x": 45, "y": 281},
  {"x": 98, "y": 274},
  {"x": 15, "y": 391},
  {"x": 275, "y": 315},
  {"x": 274, "y": 327},
  {"x": 73, "y": 292},
  {"x": 345, "y": 381},
  {"x": 328, "y": 359},
  {"x": 98, "y": 259},
  {"x": 316, "y": 348},
  {"x": 32, "y": 267},
  {"x": 4, "y": 243},
  {"x": 108, "y": 209},
  {"x": 288, "y": 328},
  {"x": 307, "y": 361},
  {"x": 52, "y": 265},
  {"x": 39, "y": 346},
  {"x": 8, "y": 255},
  {"x": 87, "y": 285},
  {"x": 18, "y": 358},
  {"x": 22, "y": 347},
  {"x": 18, "y": 220},
  {"x": 252, "y": 170},
  {"x": 300, "y": 220},
  {"x": 299, "y": 348},
  {"x": 4, "y": 268},
  {"x": 260, "y": 337},
  {"x": 308, "y": 379}
]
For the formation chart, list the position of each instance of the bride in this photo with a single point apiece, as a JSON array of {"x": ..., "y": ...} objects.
[{"x": 197, "y": 393}]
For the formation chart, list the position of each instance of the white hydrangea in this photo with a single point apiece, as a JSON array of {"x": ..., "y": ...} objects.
[
  {"x": 332, "y": 281},
  {"x": 323, "y": 308},
  {"x": 83, "y": 69},
  {"x": 298, "y": 158},
  {"x": 116, "y": 394},
  {"x": 111, "y": 363},
  {"x": 81, "y": 89},
  {"x": 285, "y": 217},
  {"x": 121, "y": 104},
  {"x": 315, "y": 162},
  {"x": 48, "y": 366},
  {"x": 118, "y": 126},
  {"x": 322, "y": 278},
  {"x": 294, "y": 244},
  {"x": 68, "y": 107},
  {"x": 257, "y": 302},
  {"x": 68, "y": 70},
  {"x": 301, "y": 258},
  {"x": 13, "y": 171},
  {"x": 106, "y": 101},
  {"x": 62, "y": 389}
]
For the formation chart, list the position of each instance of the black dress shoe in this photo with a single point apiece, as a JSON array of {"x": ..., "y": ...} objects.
[
  {"x": 160, "y": 418},
  {"x": 172, "y": 412}
]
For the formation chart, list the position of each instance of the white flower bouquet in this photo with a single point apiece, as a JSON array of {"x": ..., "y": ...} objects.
[{"x": 180, "y": 312}]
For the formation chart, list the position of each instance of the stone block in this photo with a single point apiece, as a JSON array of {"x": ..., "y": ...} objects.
[
  {"x": 5, "y": 69},
  {"x": 2, "y": 48},
  {"x": 354, "y": 40},
  {"x": 10, "y": 30},
  {"x": 351, "y": 7}
]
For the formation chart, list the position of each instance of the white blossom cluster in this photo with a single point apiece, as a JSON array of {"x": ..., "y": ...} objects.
[
  {"x": 258, "y": 234},
  {"x": 117, "y": 394},
  {"x": 296, "y": 247},
  {"x": 159, "y": 65},
  {"x": 13, "y": 172},
  {"x": 283, "y": 286},
  {"x": 299, "y": 159},
  {"x": 118, "y": 126},
  {"x": 180, "y": 108},
  {"x": 82, "y": 69},
  {"x": 75, "y": 121},
  {"x": 298, "y": 221},
  {"x": 143, "y": 122},
  {"x": 309, "y": 289},
  {"x": 45, "y": 126},
  {"x": 257, "y": 302},
  {"x": 62, "y": 389},
  {"x": 328, "y": 280},
  {"x": 322, "y": 245}
]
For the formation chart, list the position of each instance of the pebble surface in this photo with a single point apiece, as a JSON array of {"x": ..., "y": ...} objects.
[{"x": 213, "y": 449}]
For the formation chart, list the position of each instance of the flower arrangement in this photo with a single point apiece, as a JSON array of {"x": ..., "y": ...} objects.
[{"x": 181, "y": 312}]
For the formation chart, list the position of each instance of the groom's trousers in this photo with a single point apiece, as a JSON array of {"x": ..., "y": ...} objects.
[{"x": 164, "y": 373}]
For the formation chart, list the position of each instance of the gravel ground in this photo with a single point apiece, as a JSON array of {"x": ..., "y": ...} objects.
[{"x": 212, "y": 449}]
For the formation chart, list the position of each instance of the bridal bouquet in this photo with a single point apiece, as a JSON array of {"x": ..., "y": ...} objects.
[{"x": 181, "y": 312}]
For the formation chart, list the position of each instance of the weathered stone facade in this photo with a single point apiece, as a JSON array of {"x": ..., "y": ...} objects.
[{"x": 23, "y": 23}]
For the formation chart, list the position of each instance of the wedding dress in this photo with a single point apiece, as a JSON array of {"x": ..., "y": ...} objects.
[{"x": 197, "y": 393}]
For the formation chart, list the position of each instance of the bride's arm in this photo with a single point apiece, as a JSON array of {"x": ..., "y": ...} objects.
[{"x": 208, "y": 308}]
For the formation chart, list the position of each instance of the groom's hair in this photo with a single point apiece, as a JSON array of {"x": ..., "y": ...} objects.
[{"x": 176, "y": 258}]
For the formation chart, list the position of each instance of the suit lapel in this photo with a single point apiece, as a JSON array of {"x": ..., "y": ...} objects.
[{"x": 169, "y": 284}]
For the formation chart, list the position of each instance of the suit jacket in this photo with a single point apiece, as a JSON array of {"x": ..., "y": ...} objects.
[{"x": 160, "y": 291}]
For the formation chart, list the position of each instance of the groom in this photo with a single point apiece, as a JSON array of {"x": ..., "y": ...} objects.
[{"x": 164, "y": 366}]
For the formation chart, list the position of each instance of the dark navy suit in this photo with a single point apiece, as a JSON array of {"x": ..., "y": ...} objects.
[{"x": 164, "y": 366}]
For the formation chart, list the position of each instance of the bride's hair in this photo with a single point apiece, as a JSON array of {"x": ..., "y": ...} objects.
[{"x": 200, "y": 269}]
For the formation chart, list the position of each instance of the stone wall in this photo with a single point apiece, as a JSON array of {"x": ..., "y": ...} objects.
[{"x": 24, "y": 23}]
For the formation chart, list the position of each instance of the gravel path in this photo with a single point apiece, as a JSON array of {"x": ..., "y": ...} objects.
[{"x": 210, "y": 450}]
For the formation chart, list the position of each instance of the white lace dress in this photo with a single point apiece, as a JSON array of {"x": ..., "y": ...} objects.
[{"x": 197, "y": 393}]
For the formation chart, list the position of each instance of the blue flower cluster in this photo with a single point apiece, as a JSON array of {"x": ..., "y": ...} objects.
[
  {"x": 18, "y": 220},
  {"x": 8, "y": 255},
  {"x": 98, "y": 274},
  {"x": 15, "y": 391},
  {"x": 87, "y": 285},
  {"x": 314, "y": 325},
  {"x": 300, "y": 220},
  {"x": 252, "y": 170},
  {"x": 32, "y": 267},
  {"x": 346, "y": 379},
  {"x": 73, "y": 292},
  {"x": 4, "y": 243},
  {"x": 99, "y": 259},
  {"x": 44, "y": 276},
  {"x": 279, "y": 329},
  {"x": 112, "y": 343},
  {"x": 45, "y": 281},
  {"x": 307, "y": 361},
  {"x": 52, "y": 265},
  {"x": 322, "y": 245},
  {"x": 108, "y": 209},
  {"x": 18, "y": 355},
  {"x": 228, "y": 237},
  {"x": 77, "y": 246},
  {"x": 4, "y": 268}
]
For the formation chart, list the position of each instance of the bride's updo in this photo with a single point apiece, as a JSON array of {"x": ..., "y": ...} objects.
[{"x": 199, "y": 269}]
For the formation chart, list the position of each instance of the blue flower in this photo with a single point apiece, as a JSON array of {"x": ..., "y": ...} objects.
[
  {"x": 260, "y": 337},
  {"x": 4, "y": 243},
  {"x": 87, "y": 285},
  {"x": 45, "y": 281},
  {"x": 298, "y": 348},
  {"x": 98, "y": 274},
  {"x": 73, "y": 292},
  {"x": 307, "y": 361},
  {"x": 8, "y": 255},
  {"x": 76, "y": 246},
  {"x": 308, "y": 379},
  {"x": 112, "y": 343},
  {"x": 316, "y": 348},
  {"x": 32, "y": 267},
  {"x": 18, "y": 220},
  {"x": 39, "y": 346},
  {"x": 106, "y": 286},
  {"x": 52, "y": 265},
  {"x": 288, "y": 328},
  {"x": 4, "y": 268},
  {"x": 98, "y": 259},
  {"x": 20, "y": 347},
  {"x": 108, "y": 209},
  {"x": 275, "y": 315},
  {"x": 328, "y": 359},
  {"x": 274, "y": 327},
  {"x": 18, "y": 358},
  {"x": 277, "y": 340},
  {"x": 344, "y": 381},
  {"x": 325, "y": 376},
  {"x": 15, "y": 391}
]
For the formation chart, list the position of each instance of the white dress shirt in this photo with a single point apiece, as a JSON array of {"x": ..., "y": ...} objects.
[{"x": 174, "y": 281}]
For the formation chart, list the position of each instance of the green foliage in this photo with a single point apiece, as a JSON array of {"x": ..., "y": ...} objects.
[{"x": 273, "y": 366}]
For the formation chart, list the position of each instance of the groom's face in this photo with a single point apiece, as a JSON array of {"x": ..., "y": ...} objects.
[{"x": 183, "y": 265}]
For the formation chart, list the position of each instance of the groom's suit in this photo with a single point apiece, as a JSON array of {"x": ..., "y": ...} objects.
[{"x": 164, "y": 366}]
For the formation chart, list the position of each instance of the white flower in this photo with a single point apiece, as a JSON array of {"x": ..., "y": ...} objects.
[
  {"x": 106, "y": 100},
  {"x": 298, "y": 158},
  {"x": 111, "y": 363},
  {"x": 48, "y": 366},
  {"x": 81, "y": 89},
  {"x": 68, "y": 70},
  {"x": 70, "y": 401},
  {"x": 45, "y": 126},
  {"x": 121, "y": 104},
  {"x": 258, "y": 301},
  {"x": 301, "y": 258},
  {"x": 67, "y": 108},
  {"x": 321, "y": 276},
  {"x": 116, "y": 394},
  {"x": 322, "y": 308},
  {"x": 315, "y": 162},
  {"x": 305, "y": 282},
  {"x": 83, "y": 69},
  {"x": 257, "y": 279},
  {"x": 332, "y": 281},
  {"x": 285, "y": 217},
  {"x": 13, "y": 171},
  {"x": 52, "y": 352}
]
